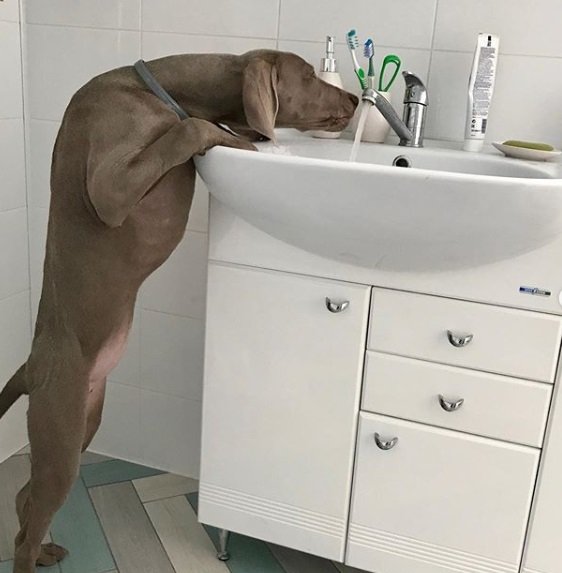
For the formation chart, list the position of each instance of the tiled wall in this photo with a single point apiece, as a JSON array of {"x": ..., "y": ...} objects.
[
  {"x": 15, "y": 327},
  {"x": 153, "y": 409}
]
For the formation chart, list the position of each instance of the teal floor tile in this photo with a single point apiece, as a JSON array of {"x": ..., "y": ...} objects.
[
  {"x": 247, "y": 555},
  {"x": 7, "y": 566},
  {"x": 114, "y": 471},
  {"x": 76, "y": 527}
]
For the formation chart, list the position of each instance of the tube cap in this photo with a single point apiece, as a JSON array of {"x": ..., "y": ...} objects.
[{"x": 474, "y": 145}]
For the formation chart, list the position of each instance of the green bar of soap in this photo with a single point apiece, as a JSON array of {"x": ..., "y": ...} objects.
[{"x": 529, "y": 145}]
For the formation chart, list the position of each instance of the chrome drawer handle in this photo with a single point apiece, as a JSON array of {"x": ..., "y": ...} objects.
[
  {"x": 450, "y": 405},
  {"x": 336, "y": 306},
  {"x": 458, "y": 339},
  {"x": 385, "y": 444}
]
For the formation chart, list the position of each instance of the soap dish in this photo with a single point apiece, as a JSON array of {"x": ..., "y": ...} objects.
[{"x": 525, "y": 153}]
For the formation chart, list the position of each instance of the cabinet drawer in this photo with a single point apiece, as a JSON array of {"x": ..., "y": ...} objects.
[
  {"x": 495, "y": 406},
  {"x": 438, "y": 501},
  {"x": 505, "y": 341}
]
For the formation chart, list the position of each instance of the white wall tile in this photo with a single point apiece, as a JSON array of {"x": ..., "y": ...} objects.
[
  {"x": 122, "y": 14},
  {"x": 172, "y": 354},
  {"x": 15, "y": 343},
  {"x": 12, "y": 164},
  {"x": 522, "y": 113},
  {"x": 10, "y": 68},
  {"x": 523, "y": 27},
  {"x": 199, "y": 214},
  {"x": 158, "y": 44},
  {"x": 408, "y": 23},
  {"x": 38, "y": 219},
  {"x": 15, "y": 334},
  {"x": 414, "y": 60},
  {"x": 448, "y": 91},
  {"x": 14, "y": 264},
  {"x": 42, "y": 135},
  {"x": 128, "y": 369},
  {"x": 527, "y": 103},
  {"x": 171, "y": 433},
  {"x": 61, "y": 60},
  {"x": 250, "y": 18},
  {"x": 120, "y": 431},
  {"x": 178, "y": 286},
  {"x": 9, "y": 10}
]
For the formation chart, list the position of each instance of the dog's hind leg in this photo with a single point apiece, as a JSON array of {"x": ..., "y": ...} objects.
[
  {"x": 57, "y": 427},
  {"x": 94, "y": 410}
]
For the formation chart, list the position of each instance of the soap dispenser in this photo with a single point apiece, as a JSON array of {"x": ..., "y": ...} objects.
[{"x": 328, "y": 72}]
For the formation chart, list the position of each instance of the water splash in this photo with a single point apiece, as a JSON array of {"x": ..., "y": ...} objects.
[{"x": 359, "y": 131}]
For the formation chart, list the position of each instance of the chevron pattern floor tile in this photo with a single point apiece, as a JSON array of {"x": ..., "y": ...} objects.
[{"x": 127, "y": 518}]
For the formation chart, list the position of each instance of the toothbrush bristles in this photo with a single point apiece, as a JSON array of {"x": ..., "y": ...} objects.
[
  {"x": 368, "y": 49},
  {"x": 352, "y": 40}
]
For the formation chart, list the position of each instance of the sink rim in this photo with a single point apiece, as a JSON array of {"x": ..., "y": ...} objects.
[{"x": 551, "y": 173}]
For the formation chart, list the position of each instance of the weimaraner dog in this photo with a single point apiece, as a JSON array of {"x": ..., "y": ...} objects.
[{"x": 122, "y": 182}]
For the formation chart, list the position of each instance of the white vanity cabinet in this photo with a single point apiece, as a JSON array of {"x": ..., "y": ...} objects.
[
  {"x": 283, "y": 371},
  {"x": 397, "y": 432},
  {"x": 430, "y": 500}
]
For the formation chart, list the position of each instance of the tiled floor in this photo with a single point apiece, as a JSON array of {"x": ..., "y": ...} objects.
[{"x": 126, "y": 518}]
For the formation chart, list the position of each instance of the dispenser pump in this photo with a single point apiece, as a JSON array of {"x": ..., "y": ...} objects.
[{"x": 328, "y": 64}]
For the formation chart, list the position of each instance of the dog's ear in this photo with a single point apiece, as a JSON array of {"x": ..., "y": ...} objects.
[{"x": 259, "y": 96}]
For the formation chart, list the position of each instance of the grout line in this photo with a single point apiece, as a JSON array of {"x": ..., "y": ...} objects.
[
  {"x": 13, "y": 295},
  {"x": 278, "y": 24},
  {"x": 198, "y": 318},
  {"x": 82, "y": 27},
  {"x": 432, "y": 47},
  {"x": 27, "y": 155}
]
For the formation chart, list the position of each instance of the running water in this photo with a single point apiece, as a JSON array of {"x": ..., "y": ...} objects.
[{"x": 359, "y": 131}]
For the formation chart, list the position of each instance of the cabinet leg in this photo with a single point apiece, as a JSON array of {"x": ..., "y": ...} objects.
[{"x": 223, "y": 553}]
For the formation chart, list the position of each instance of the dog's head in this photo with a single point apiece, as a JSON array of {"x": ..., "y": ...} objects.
[{"x": 280, "y": 89}]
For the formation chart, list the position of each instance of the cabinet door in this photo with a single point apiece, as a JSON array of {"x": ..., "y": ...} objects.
[
  {"x": 281, "y": 393},
  {"x": 438, "y": 501}
]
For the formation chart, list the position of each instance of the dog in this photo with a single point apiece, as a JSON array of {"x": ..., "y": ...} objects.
[{"x": 122, "y": 183}]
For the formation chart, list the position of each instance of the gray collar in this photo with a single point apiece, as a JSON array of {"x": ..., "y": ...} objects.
[{"x": 158, "y": 90}]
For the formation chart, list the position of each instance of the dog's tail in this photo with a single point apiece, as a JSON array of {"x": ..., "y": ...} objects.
[{"x": 13, "y": 390}]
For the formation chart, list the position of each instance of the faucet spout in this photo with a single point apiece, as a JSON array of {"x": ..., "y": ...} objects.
[
  {"x": 372, "y": 96},
  {"x": 415, "y": 108}
]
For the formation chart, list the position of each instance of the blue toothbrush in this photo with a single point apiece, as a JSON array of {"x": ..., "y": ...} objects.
[{"x": 369, "y": 53}]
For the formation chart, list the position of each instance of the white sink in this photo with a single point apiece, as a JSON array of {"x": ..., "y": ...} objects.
[{"x": 450, "y": 210}]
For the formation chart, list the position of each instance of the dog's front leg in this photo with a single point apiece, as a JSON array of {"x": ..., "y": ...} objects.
[{"x": 115, "y": 185}]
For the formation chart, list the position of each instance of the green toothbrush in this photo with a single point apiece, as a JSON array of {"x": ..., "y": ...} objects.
[{"x": 353, "y": 43}]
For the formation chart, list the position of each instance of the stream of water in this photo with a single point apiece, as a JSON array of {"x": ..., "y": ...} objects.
[{"x": 359, "y": 131}]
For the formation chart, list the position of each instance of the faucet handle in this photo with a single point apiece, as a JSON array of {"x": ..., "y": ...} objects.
[{"x": 416, "y": 91}]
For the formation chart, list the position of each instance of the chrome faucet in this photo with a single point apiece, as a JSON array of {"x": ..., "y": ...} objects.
[{"x": 410, "y": 129}]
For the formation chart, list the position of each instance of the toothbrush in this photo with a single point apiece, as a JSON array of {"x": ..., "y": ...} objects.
[
  {"x": 369, "y": 53},
  {"x": 352, "y": 43}
]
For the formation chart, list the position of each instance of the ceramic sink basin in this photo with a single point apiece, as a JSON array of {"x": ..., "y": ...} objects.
[{"x": 450, "y": 209}]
